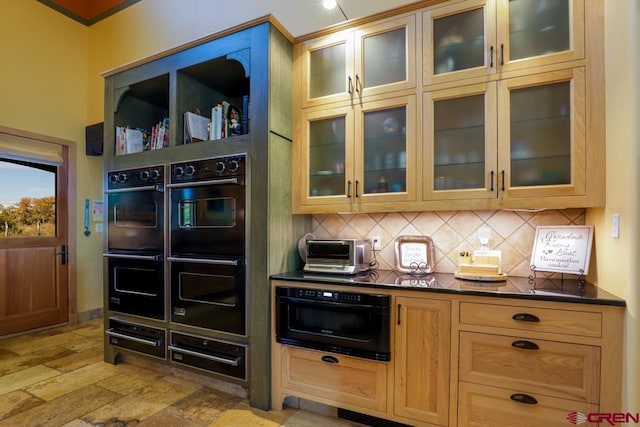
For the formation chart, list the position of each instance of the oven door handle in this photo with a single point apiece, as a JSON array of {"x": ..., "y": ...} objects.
[
  {"x": 331, "y": 303},
  {"x": 131, "y": 256},
  {"x": 113, "y": 333},
  {"x": 158, "y": 188},
  {"x": 233, "y": 262},
  {"x": 226, "y": 361},
  {"x": 209, "y": 182}
]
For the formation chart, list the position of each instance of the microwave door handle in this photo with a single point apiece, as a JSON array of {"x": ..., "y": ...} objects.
[
  {"x": 158, "y": 188},
  {"x": 233, "y": 262},
  {"x": 201, "y": 183},
  {"x": 131, "y": 256}
]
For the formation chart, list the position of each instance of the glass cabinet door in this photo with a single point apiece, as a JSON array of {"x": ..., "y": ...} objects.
[
  {"x": 540, "y": 32},
  {"x": 328, "y": 156},
  {"x": 327, "y": 69},
  {"x": 384, "y": 56},
  {"x": 543, "y": 135},
  {"x": 461, "y": 143},
  {"x": 385, "y": 153},
  {"x": 459, "y": 41}
]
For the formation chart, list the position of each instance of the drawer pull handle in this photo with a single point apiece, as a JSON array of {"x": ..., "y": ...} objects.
[
  {"x": 329, "y": 359},
  {"x": 525, "y": 345},
  {"x": 525, "y": 317},
  {"x": 524, "y": 398}
]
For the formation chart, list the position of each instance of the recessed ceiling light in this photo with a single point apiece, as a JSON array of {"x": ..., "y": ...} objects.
[{"x": 329, "y": 4}]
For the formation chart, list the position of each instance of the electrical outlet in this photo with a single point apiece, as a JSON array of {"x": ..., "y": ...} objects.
[{"x": 376, "y": 243}]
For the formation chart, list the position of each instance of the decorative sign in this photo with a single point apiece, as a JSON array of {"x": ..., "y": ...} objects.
[{"x": 562, "y": 249}]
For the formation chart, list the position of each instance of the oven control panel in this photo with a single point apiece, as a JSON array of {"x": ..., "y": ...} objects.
[
  {"x": 140, "y": 177},
  {"x": 206, "y": 169}
]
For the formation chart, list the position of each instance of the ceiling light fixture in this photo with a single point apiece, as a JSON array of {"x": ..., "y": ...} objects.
[{"x": 330, "y": 4}]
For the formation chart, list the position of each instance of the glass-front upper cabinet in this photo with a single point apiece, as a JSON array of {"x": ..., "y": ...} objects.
[
  {"x": 461, "y": 143},
  {"x": 385, "y": 167},
  {"x": 352, "y": 155},
  {"x": 520, "y": 137},
  {"x": 479, "y": 37},
  {"x": 541, "y": 134},
  {"x": 350, "y": 65}
]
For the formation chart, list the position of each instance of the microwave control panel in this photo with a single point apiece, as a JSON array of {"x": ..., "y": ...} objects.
[{"x": 318, "y": 294}]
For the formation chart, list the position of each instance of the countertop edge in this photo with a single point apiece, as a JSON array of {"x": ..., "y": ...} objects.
[{"x": 546, "y": 296}]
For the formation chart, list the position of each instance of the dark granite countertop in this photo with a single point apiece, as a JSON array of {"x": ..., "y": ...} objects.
[{"x": 513, "y": 287}]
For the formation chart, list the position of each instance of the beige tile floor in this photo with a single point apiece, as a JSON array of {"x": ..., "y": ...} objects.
[{"x": 57, "y": 377}]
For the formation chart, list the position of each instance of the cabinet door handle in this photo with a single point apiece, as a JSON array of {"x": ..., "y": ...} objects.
[
  {"x": 491, "y": 58},
  {"x": 524, "y": 398},
  {"x": 503, "y": 181},
  {"x": 357, "y": 182},
  {"x": 349, "y": 189},
  {"x": 525, "y": 345},
  {"x": 491, "y": 182},
  {"x": 399, "y": 307},
  {"x": 501, "y": 54},
  {"x": 330, "y": 359},
  {"x": 525, "y": 317},
  {"x": 357, "y": 83},
  {"x": 350, "y": 86}
]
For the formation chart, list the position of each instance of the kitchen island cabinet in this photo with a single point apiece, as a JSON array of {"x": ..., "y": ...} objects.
[{"x": 473, "y": 353}]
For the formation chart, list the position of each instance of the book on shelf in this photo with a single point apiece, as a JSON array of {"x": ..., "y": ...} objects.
[
  {"x": 196, "y": 127},
  {"x": 129, "y": 140},
  {"x": 159, "y": 135},
  {"x": 229, "y": 120}
]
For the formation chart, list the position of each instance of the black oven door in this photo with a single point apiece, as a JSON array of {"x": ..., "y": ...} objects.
[
  {"x": 208, "y": 218},
  {"x": 360, "y": 327},
  {"x": 209, "y": 293},
  {"x": 136, "y": 284},
  {"x": 135, "y": 219}
]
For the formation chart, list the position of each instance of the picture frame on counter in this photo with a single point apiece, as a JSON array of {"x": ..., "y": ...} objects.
[
  {"x": 414, "y": 255},
  {"x": 562, "y": 249}
]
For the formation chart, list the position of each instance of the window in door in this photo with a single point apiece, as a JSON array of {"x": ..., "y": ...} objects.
[{"x": 28, "y": 204}]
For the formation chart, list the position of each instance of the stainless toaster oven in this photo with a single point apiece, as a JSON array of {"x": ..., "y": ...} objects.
[{"x": 338, "y": 256}]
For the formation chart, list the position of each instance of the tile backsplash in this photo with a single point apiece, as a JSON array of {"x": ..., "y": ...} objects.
[{"x": 451, "y": 231}]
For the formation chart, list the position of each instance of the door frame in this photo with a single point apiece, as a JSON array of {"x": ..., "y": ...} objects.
[{"x": 71, "y": 210}]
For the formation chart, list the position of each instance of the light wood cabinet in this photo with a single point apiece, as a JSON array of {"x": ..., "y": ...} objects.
[
  {"x": 516, "y": 138},
  {"x": 507, "y": 104},
  {"x": 422, "y": 349},
  {"x": 476, "y": 38},
  {"x": 353, "y": 64},
  {"x": 526, "y": 364},
  {"x": 353, "y": 155},
  {"x": 336, "y": 378},
  {"x": 500, "y": 407},
  {"x": 467, "y": 360}
]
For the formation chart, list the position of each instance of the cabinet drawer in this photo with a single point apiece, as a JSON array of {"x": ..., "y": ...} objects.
[
  {"x": 493, "y": 407},
  {"x": 334, "y": 377},
  {"x": 563, "y": 370},
  {"x": 583, "y": 323}
]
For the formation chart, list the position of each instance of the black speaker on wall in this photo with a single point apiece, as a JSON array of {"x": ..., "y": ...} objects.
[{"x": 94, "y": 139}]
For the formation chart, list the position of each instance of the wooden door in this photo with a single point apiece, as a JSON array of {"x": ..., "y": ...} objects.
[
  {"x": 34, "y": 269},
  {"x": 422, "y": 350}
]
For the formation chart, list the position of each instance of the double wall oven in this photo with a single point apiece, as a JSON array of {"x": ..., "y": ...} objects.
[
  {"x": 208, "y": 242},
  {"x": 135, "y": 241},
  {"x": 193, "y": 289}
]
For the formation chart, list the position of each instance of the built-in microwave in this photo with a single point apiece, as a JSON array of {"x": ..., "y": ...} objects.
[{"x": 355, "y": 324}]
